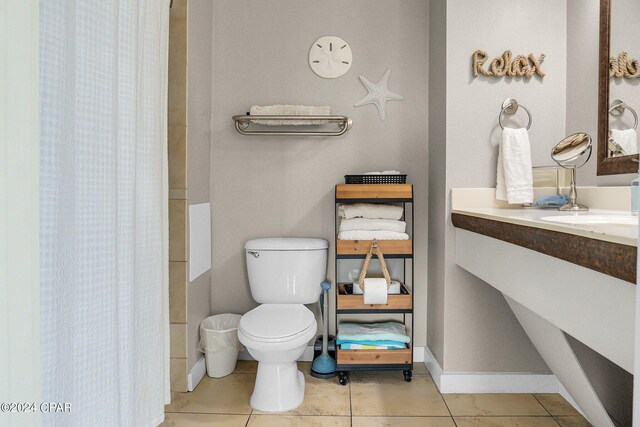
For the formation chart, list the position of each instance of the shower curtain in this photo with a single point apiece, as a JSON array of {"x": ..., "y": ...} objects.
[{"x": 104, "y": 226}]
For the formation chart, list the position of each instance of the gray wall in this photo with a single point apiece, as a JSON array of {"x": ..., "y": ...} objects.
[
  {"x": 582, "y": 83},
  {"x": 625, "y": 33},
  {"x": 273, "y": 186},
  {"x": 479, "y": 332},
  {"x": 437, "y": 175},
  {"x": 612, "y": 384},
  {"x": 200, "y": 15}
]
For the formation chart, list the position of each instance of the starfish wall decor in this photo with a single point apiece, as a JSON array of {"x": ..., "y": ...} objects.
[{"x": 378, "y": 94}]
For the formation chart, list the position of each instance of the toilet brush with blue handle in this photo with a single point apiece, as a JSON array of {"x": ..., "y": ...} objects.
[{"x": 324, "y": 366}]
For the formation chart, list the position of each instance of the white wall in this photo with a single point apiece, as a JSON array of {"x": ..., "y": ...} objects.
[
  {"x": 274, "y": 186},
  {"x": 20, "y": 367},
  {"x": 480, "y": 333}
]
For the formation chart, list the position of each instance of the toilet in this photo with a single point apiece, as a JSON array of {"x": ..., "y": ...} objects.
[{"x": 284, "y": 274}]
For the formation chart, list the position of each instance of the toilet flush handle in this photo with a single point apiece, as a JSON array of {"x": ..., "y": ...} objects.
[{"x": 254, "y": 253}]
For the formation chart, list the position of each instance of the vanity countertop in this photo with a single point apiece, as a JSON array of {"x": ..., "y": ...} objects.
[
  {"x": 608, "y": 248},
  {"x": 532, "y": 217}
]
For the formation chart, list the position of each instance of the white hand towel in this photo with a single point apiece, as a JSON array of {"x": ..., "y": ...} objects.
[
  {"x": 373, "y": 224},
  {"x": 290, "y": 110},
  {"x": 371, "y": 211},
  {"x": 627, "y": 139},
  {"x": 372, "y": 235},
  {"x": 514, "y": 174}
]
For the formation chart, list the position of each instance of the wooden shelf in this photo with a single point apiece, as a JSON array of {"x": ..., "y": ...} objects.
[
  {"x": 374, "y": 357},
  {"x": 350, "y": 303},
  {"x": 360, "y": 248},
  {"x": 372, "y": 192}
]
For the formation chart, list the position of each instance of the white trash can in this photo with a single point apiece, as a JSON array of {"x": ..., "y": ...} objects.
[{"x": 219, "y": 343}]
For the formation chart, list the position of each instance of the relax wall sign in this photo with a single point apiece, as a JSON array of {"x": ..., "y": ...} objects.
[
  {"x": 624, "y": 67},
  {"x": 507, "y": 65}
]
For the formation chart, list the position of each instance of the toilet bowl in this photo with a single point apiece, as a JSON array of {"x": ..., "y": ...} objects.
[
  {"x": 276, "y": 335},
  {"x": 284, "y": 274}
]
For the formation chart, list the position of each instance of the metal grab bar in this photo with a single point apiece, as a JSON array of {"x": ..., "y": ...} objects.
[
  {"x": 510, "y": 107},
  {"x": 242, "y": 123},
  {"x": 618, "y": 108}
]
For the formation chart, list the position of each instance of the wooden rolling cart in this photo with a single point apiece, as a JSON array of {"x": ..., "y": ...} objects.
[{"x": 347, "y": 303}]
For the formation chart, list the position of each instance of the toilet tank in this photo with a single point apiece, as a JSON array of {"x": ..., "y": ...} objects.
[{"x": 286, "y": 270}]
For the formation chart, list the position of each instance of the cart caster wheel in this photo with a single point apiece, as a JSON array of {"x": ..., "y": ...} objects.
[
  {"x": 343, "y": 379},
  {"x": 407, "y": 375}
]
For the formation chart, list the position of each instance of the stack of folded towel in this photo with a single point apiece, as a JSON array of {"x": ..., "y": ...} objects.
[
  {"x": 290, "y": 110},
  {"x": 368, "y": 221},
  {"x": 378, "y": 336}
]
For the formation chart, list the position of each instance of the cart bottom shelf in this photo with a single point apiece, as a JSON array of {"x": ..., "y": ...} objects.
[
  {"x": 374, "y": 357},
  {"x": 343, "y": 374}
]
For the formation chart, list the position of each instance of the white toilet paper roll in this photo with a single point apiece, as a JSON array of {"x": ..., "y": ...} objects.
[{"x": 375, "y": 291}]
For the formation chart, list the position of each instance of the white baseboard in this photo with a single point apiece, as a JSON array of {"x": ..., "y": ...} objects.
[
  {"x": 418, "y": 355},
  {"x": 489, "y": 382},
  {"x": 196, "y": 374}
]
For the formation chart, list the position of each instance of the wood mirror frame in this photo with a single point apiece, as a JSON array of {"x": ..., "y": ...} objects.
[{"x": 608, "y": 165}]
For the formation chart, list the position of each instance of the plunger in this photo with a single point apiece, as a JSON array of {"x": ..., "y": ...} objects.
[{"x": 324, "y": 366}]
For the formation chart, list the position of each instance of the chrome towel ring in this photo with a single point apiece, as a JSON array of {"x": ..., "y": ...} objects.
[
  {"x": 510, "y": 107},
  {"x": 618, "y": 108}
]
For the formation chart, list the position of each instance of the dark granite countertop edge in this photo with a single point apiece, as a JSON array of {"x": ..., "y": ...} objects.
[{"x": 614, "y": 259}]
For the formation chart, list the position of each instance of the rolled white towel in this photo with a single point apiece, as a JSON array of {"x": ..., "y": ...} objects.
[
  {"x": 371, "y": 211},
  {"x": 373, "y": 224},
  {"x": 372, "y": 235},
  {"x": 627, "y": 139},
  {"x": 290, "y": 110}
]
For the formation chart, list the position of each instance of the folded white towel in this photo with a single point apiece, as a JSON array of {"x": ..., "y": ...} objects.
[
  {"x": 372, "y": 235},
  {"x": 371, "y": 211},
  {"x": 627, "y": 139},
  {"x": 384, "y": 173},
  {"x": 373, "y": 224},
  {"x": 514, "y": 175},
  {"x": 290, "y": 110}
]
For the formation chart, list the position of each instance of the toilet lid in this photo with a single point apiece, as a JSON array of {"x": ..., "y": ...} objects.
[{"x": 277, "y": 321}]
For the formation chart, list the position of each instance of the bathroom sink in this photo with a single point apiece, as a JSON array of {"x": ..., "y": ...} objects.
[{"x": 588, "y": 219}]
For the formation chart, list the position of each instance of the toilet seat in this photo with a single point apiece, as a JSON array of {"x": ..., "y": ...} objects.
[{"x": 277, "y": 323}]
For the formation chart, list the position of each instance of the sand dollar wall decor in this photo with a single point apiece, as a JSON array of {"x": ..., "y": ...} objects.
[
  {"x": 507, "y": 65},
  {"x": 330, "y": 57}
]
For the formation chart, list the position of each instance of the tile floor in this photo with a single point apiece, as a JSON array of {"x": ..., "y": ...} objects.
[{"x": 373, "y": 399}]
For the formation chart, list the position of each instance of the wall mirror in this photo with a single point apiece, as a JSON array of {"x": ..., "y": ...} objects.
[{"x": 619, "y": 87}]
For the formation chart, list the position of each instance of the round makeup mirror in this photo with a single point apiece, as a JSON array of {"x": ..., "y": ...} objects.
[{"x": 571, "y": 153}]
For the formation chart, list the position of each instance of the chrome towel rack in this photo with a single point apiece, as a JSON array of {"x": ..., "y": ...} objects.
[
  {"x": 618, "y": 108},
  {"x": 242, "y": 123},
  {"x": 509, "y": 107}
]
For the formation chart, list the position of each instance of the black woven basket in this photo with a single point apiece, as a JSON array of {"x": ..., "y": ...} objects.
[{"x": 375, "y": 179}]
